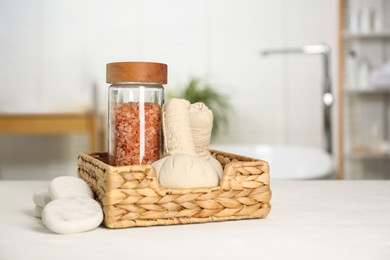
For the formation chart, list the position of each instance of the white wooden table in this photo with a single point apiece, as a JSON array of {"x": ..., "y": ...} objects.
[{"x": 309, "y": 220}]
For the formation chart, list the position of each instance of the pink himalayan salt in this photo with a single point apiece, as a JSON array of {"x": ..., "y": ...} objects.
[{"x": 128, "y": 126}]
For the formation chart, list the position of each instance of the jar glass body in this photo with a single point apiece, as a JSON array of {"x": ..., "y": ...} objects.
[{"x": 134, "y": 123}]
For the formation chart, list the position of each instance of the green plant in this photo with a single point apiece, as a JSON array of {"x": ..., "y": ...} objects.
[{"x": 197, "y": 91}]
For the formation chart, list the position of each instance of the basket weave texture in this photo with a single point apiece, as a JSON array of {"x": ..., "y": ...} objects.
[{"x": 131, "y": 195}]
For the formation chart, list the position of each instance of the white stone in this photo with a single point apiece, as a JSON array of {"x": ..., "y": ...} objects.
[
  {"x": 69, "y": 186},
  {"x": 72, "y": 215},
  {"x": 41, "y": 198},
  {"x": 38, "y": 211}
]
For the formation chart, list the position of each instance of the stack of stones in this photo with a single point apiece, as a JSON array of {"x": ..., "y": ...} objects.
[{"x": 67, "y": 206}]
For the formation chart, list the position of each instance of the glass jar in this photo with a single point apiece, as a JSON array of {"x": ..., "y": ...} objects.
[{"x": 136, "y": 96}]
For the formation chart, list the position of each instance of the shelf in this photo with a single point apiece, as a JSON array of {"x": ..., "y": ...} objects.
[
  {"x": 52, "y": 124},
  {"x": 372, "y": 91},
  {"x": 368, "y": 156},
  {"x": 361, "y": 106},
  {"x": 374, "y": 35}
]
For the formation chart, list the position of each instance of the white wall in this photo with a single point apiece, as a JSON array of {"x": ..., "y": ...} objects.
[{"x": 53, "y": 51}]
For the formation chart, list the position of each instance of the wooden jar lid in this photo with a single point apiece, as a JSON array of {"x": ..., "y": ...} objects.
[{"x": 136, "y": 72}]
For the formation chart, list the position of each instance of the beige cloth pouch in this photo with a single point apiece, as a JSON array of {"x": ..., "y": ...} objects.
[{"x": 182, "y": 168}]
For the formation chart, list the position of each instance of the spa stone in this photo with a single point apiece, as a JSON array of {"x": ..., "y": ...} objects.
[
  {"x": 41, "y": 198},
  {"x": 38, "y": 212},
  {"x": 72, "y": 215},
  {"x": 69, "y": 186}
]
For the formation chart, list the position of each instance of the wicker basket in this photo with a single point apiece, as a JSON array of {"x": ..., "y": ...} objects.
[{"x": 131, "y": 195}]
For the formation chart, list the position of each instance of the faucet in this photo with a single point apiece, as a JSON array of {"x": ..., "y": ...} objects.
[{"x": 327, "y": 95}]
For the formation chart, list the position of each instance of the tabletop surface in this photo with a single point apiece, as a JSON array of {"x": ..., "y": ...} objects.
[{"x": 308, "y": 220}]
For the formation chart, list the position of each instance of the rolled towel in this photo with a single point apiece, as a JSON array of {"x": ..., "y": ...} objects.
[
  {"x": 201, "y": 122},
  {"x": 176, "y": 127}
]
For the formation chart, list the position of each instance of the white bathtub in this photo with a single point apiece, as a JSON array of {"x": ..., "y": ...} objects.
[{"x": 287, "y": 162}]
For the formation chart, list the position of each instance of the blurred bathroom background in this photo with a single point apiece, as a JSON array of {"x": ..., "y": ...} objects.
[{"x": 53, "y": 56}]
